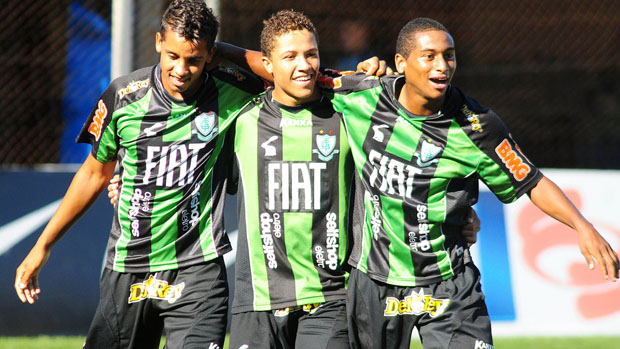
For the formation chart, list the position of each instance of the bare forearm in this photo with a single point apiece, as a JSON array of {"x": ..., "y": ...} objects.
[
  {"x": 550, "y": 199},
  {"x": 247, "y": 59},
  {"x": 84, "y": 190}
]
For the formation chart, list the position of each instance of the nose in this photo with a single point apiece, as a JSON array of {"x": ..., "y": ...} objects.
[
  {"x": 303, "y": 63},
  {"x": 181, "y": 67},
  {"x": 441, "y": 64}
]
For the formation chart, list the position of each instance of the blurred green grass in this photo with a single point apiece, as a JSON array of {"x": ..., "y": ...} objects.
[{"x": 65, "y": 342}]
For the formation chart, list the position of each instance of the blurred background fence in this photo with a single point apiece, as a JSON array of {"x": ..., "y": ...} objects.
[{"x": 549, "y": 68}]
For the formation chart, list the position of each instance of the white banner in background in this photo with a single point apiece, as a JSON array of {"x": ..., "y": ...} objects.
[{"x": 554, "y": 292}]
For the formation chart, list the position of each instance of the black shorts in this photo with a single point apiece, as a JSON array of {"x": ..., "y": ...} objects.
[
  {"x": 449, "y": 314},
  {"x": 316, "y": 326},
  {"x": 189, "y": 305}
]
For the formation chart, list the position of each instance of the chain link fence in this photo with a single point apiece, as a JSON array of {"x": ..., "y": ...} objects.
[{"x": 549, "y": 68}]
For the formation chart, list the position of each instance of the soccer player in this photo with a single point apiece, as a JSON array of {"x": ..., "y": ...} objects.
[
  {"x": 416, "y": 140},
  {"x": 164, "y": 125},
  {"x": 294, "y": 172},
  {"x": 293, "y": 168},
  {"x": 294, "y": 176}
]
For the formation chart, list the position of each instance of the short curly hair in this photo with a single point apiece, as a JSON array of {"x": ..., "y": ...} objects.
[
  {"x": 280, "y": 23},
  {"x": 191, "y": 19},
  {"x": 406, "y": 43}
]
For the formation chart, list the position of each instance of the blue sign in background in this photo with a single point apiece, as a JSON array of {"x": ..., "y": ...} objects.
[
  {"x": 70, "y": 279},
  {"x": 494, "y": 262}
]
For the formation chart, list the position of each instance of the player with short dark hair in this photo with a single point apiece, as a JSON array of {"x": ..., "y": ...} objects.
[
  {"x": 165, "y": 126},
  {"x": 416, "y": 141}
]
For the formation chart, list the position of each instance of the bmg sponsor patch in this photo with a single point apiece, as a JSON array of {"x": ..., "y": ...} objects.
[
  {"x": 512, "y": 160},
  {"x": 416, "y": 304},
  {"x": 155, "y": 289}
]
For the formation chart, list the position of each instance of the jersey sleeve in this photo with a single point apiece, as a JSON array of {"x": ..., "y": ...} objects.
[
  {"x": 99, "y": 130},
  {"x": 342, "y": 87},
  {"x": 505, "y": 169}
]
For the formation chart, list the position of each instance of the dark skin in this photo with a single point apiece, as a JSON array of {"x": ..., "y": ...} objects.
[{"x": 428, "y": 70}]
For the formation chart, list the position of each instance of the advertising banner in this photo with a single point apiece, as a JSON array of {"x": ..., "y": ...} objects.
[{"x": 535, "y": 279}]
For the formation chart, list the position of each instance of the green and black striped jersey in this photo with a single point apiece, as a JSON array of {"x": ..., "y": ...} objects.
[
  {"x": 171, "y": 196},
  {"x": 420, "y": 174},
  {"x": 294, "y": 173}
]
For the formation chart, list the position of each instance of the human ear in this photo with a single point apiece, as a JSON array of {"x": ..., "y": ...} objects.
[
  {"x": 158, "y": 40},
  {"x": 268, "y": 65},
  {"x": 401, "y": 63}
]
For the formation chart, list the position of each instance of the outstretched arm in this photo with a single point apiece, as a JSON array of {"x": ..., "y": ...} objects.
[
  {"x": 86, "y": 186},
  {"x": 550, "y": 199}
]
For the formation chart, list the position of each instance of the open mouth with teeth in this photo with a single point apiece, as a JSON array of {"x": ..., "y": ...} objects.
[
  {"x": 440, "y": 82},
  {"x": 303, "y": 79}
]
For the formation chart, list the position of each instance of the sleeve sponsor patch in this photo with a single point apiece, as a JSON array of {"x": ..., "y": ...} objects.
[
  {"x": 96, "y": 125},
  {"x": 512, "y": 159}
]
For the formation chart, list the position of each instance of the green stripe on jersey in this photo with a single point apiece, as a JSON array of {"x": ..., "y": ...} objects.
[
  {"x": 180, "y": 131},
  {"x": 395, "y": 232},
  {"x": 300, "y": 257},
  {"x": 299, "y": 139},
  {"x": 164, "y": 233},
  {"x": 298, "y": 142}
]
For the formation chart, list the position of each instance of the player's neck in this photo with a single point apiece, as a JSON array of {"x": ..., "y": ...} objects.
[
  {"x": 281, "y": 96},
  {"x": 418, "y": 104}
]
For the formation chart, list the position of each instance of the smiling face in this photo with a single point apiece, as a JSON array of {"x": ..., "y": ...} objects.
[
  {"x": 294, "y": 62},
  {"x": 182, "y": 63},
  {"x": 428, "y": 70}
]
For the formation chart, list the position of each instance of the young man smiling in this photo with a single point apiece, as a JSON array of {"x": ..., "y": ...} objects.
[
  {"x": 165, "y": 126},
  {"x": 294, "y": 171},
  {"x": 420, "y": 145}
]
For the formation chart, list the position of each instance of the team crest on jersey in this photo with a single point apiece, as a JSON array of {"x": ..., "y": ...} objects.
[
  {"x": 326, "y": 144},
  {"x": 205, "y": 124},
  {"x": 428, "y": 152}
]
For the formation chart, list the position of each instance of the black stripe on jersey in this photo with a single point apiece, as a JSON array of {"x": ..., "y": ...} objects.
[
  {"x": 326, "y": 222},
  {"x": 266, "y": 143},
  {"x": 139, "y": 247},
  {"x": 378, "y": 257},
  {"x": 415, "y": 214},
  {"x": 190, "y": 205}
]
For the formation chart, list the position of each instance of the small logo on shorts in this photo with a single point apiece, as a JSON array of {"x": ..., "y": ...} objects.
[
  {"x": 416, "y": 304},
  {"x": 482, "y": 345},
  {"x": 155, "y": 289}
]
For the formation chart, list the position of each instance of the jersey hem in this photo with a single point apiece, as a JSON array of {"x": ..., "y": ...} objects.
[
  {"x": 236, "y": 309},
  {"x": 406, "y": 282},
  {"x": 186, "y": 263}
]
